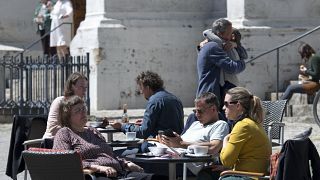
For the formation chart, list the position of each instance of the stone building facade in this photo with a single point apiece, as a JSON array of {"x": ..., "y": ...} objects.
[{"x": 125, "y": 37}]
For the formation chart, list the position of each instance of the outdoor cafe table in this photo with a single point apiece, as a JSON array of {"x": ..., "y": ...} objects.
[
  {"x": 109, "y": 130},
  {"x": 124, "y": 143},
  {"x": 172, "y": 161}
]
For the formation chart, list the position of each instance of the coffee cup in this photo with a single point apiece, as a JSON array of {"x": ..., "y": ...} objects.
[
  {"x": 131, "y": 136},
  {"x": 200, "y": 150},
  {"x": 190, "y": 149}
]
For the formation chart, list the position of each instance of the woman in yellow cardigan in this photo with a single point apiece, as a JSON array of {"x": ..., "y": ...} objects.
[{"x": 247, "y": 147}]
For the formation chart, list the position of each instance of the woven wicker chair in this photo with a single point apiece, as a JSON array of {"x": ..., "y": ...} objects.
[
  {"x": 48, "y": 164},
  {"x": 36, "y": 131},
  {"x": 273, "y": 124}
]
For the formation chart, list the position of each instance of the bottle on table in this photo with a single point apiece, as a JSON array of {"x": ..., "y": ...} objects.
[{"x": 125, "y": 117}]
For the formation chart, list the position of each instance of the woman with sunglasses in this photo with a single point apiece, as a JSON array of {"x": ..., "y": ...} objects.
[
  {"x": 96, "y": 154},
  {"x": 247, "y": 147}
]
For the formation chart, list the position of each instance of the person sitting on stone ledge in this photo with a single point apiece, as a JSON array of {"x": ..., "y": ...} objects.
[{"x": 311, "y": 85}]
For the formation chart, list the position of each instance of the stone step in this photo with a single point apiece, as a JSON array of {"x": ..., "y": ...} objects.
[
  {"x": 301, "y": 119},
  {"x": 301, "y": 110}
]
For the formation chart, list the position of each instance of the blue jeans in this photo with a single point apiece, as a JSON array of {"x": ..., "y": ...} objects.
[{"x": 293, "y": 88}]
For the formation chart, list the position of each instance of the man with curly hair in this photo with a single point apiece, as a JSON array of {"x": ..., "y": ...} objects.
[{"x": 163, "y": 111}]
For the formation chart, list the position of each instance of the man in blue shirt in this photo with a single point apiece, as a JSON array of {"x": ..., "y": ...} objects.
[
  {"x": 163, "y": 110},
  {"x": 213, "y": 59}
]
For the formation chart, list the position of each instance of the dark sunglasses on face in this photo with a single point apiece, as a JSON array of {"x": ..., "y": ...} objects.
[
  {"x": 200, "y": 111},
  {"x": 226, "y": 103}
]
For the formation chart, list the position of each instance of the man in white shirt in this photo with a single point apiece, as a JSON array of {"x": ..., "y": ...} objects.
[{"x": 208, "y": 131}]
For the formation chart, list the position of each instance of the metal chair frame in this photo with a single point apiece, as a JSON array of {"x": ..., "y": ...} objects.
[{"x": 274, "y": 127}]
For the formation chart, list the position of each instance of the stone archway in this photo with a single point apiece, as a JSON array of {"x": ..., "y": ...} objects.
[{"x": 79, "y": 12}]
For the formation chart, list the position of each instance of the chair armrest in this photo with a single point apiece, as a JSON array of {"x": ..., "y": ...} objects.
[
  {"x": 88, "y": 171},
  {"x": 281, "y": 124},
  {"x": 32, "y": 141},
  {"x": 241, "y": 173}
]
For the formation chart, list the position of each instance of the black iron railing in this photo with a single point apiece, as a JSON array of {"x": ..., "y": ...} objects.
[{"x": 33, "y": 83}]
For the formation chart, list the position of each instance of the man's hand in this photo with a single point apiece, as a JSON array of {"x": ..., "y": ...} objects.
[
  {"x": 202, "y": 43},
  {"x": 138, "y": 122},
  {"x": 227, "y": 46},
  {"x": 171, "y": 141}
]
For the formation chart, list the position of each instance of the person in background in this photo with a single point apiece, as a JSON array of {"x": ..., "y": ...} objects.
[
  {"x": 213, "y": 60},
  {"x": 60, "y": 36},
  {"x": 96, "y": 154},
  {"x": 43, "y": 21},
  {"x": 163, "y": 110},
  {"x": 310, "y": 85},
  {"x": 236, "y": 52},
  {"x": 76, "y": 84},
  {"x": 247, "y": 147}
]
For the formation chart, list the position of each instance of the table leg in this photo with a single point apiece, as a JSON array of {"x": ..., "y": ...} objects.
[
  {"x": 109, "y": 137},
  {"x": 184, "y": 176},
  {"x": 172, "y": 171}
]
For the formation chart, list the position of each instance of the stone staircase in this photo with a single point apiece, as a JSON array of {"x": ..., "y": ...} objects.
[{"x": 299, "y": 108}]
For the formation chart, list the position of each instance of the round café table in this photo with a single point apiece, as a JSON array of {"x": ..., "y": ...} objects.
[{"x": 172, "y": 161}]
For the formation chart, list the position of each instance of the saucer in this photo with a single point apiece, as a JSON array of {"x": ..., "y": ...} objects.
[
  {"x": 195, "y": 155},
  {"x": 126, "y": 141}
]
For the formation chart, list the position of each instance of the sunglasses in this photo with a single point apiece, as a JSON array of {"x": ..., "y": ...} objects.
[
  {"x": 200, "y": 111},
  {"x": 226, "y": 103}
]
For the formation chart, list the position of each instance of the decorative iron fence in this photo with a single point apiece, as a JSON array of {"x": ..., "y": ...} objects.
[{"x": 28, "y": 85}]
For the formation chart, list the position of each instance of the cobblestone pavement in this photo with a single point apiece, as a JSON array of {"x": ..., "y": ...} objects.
[{"x": 291, "y": 129}]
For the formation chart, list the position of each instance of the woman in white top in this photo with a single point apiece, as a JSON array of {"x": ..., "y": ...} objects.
[
  {"x": 61, "y": 37},
  {"x": 76, "y": 84}
]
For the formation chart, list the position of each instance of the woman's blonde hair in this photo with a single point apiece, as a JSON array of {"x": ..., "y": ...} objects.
[
  {"x": 65, "y": 109},
  {"x": 250, "y": 103}
]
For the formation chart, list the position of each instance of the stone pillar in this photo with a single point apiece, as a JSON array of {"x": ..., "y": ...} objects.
[{"x": 126, "y": 37}]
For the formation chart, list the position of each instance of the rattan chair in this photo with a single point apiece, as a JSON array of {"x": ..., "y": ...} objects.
[
  {"x": 48, "y": 164},
  {"x": 274, "y": 127}
]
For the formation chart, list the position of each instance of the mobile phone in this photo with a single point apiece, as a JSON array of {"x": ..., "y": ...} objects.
[{"x": 169, "y": 133}]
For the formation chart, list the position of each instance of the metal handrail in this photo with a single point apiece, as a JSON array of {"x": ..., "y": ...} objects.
[
  {"x": 35, "y": 42},
  {"x": 277, "y": 49}
]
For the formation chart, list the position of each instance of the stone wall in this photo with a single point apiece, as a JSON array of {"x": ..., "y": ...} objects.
[{"x": 131, "y": 37}]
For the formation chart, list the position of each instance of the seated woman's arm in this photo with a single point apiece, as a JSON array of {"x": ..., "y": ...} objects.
[
  {"x": 62, "y": 140},
  {"x": 232, "y": 145}
]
